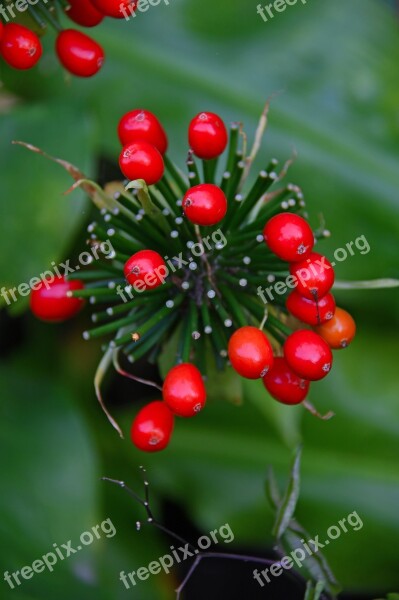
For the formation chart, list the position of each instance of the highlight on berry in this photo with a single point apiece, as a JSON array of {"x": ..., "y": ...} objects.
[{"x": 169, "y": 291}]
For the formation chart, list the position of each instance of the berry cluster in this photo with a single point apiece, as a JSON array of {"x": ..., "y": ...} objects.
[
  {"x": 184, "y": 395},
  {"x": 81, "y": 55},
  {"x": 204, "y": 301}
]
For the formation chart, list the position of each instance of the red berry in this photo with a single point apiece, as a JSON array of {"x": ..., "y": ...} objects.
[
  {"x": 250, "y": 352},
  {"x": 184, "y": 390},
  {"x": 152, "y": 427},
  {"x": 141, "y": 160},
  {"x": 205, "y": 204},
  {"x": 207, "y": 135},
  {"x": 310, "y": 311},
  {"x": 118, "y": 9},
  {"x": 20, "y": 47},
  {"x": 142, "y": 126},
  {"x": 49, "y": 300},
  {"x": 79, "y": 53},
  {"x": 340, "y": 331},
  {"x": 289, "y": 236},
  {"x": 84, "y": 13},
  {"x": 1, "y": 29},
  {"x": 315, "y": 276},
  {"x": 285, "y": 385},
  {"x": 308, "y": 355},
  {"x": 145, "y": 270}
]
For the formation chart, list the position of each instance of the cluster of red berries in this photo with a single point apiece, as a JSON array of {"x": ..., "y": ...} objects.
[
  {"x": 162, "y": 212},
  {"x": 78, "y": 53},
  {"x": 144, "y": 144},
  {"x": 184, "y": 395},
  {"x": 307, "y": 354}
]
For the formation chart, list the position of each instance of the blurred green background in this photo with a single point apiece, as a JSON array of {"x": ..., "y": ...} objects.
[{"x": 334, "y": 66}]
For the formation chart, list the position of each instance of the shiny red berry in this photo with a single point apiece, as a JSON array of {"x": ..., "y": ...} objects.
[
  {"x": 205, "y": 204},
  {"x": 308, "y": 355},
  {"x": 250, "y": 352},
  {"x": 152, "y": 427},
  {"x": 310, "y": 311},
  {"x": 284, "y": 385},
  {"x": 142, "y": 126},
  {"x": 340, "y": 331},
  {"x": 1, "y": 29},
  {"x": 207, "y": 135},
  {"x": 118, "y": 9},
  {"x": 20, "y": 47},
  {"x": 141, "y": 160},
  {"x": 49, "y": 300},
  {"x": 79, "y": 53},
  {"x": 315, "y": 276},
  {"x": 184, "y": 390},
  {"x": 145, "y": 270},
  {"x": 289, "y": 236},
  {"x": 84, "y": 13}
]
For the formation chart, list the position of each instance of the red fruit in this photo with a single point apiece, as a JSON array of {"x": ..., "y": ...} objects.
[
  {"x": 315, "y": 276},
  {"x": 284, "y": 385},
  {"x": 79, "y": 53},
  {"x": 207, "y": 135},
  {"x": 84, "y": 13},
  {"x": 145, "y": 270},
  {"x": 340, "y": 331},
  {"x": 1, "y": 30},
  {"x": 49, "y": 300},
  {"x": 250, "y": 352},
  {"x": 184, "y": 390},
  {"x": 142, "y": 126},
  {"x": 141, "y": 160},
  {"x": 118, "y": 9},
  {"x": 310, "y": 311},
  {"x": 152, "y": 427},
  {"x": 20, "y": 47},
  {"x": 289, "y": 237},
  {"x": 205, "y": 204},
  {"x": 308, "y": 355}
]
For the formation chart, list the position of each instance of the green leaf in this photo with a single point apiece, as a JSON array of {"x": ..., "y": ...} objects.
[
  {"x": 285, "y": 420},
  {"x": 316, "y": 564},
  {"x": 35, "y": 214},
  {"x": 313, "y": 591},
  {"x": 52, "y": 491},
  {"x": 272, "y": 491},
  {"x": 287, "y": 506}
]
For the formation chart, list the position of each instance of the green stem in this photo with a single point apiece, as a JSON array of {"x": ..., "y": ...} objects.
[
  {"x": 175, "y": 174},
  {"x": 46, "y": 12},
  {"x": 209, "y": 170},
  {"x": 147, "y": 342},
  {"x": 233, "y": 306},
  {"x": 193, "y": 172},
  {"x": 154, "y": 320},
  {"x": 232, "y": 151}
]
